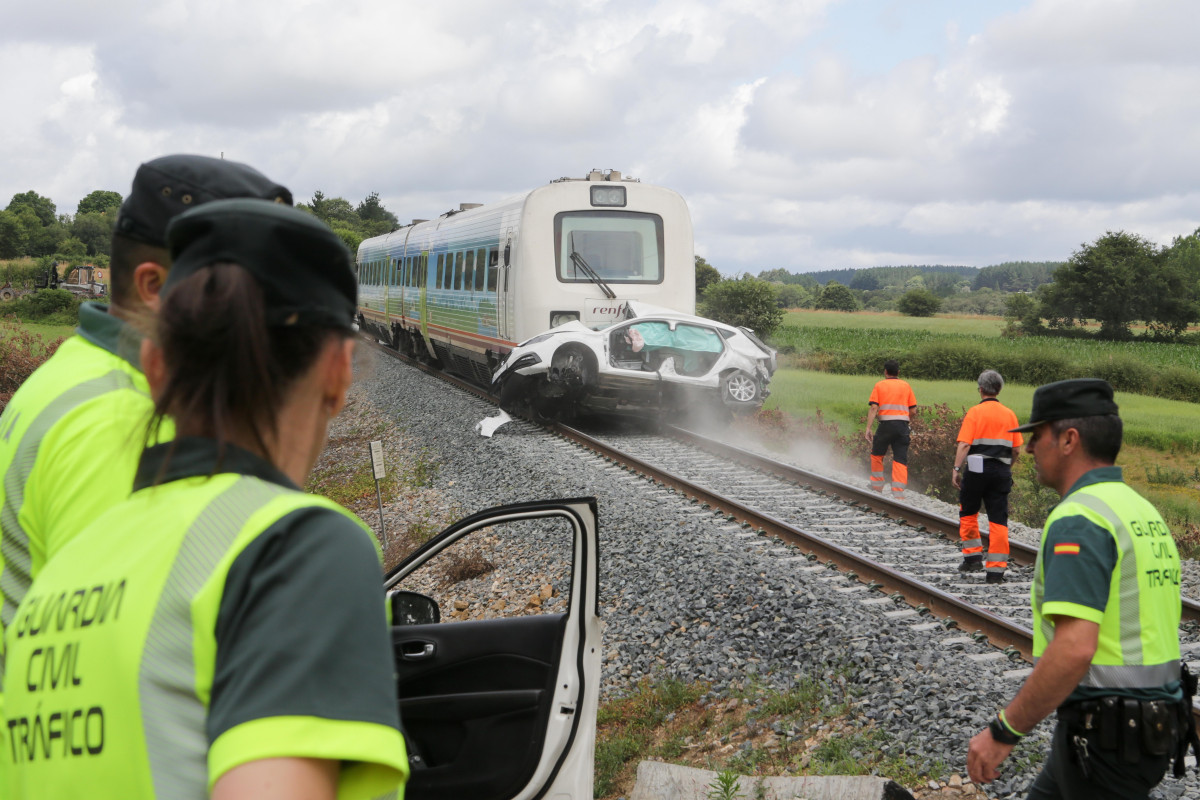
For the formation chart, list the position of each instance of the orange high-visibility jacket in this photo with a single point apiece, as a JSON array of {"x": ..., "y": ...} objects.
[
  {"x": 893, "y": 396},
  {"x": 986, "y": 429}
]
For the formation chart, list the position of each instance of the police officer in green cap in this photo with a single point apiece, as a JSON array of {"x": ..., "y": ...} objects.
[
  {"x": 1106, "y": 608},
  {"x": 220, "y": 632},
  {"x": 71, "y": 435}
]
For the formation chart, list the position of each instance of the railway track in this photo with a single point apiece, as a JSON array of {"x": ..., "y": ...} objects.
[{"x": 889, "y": 554}]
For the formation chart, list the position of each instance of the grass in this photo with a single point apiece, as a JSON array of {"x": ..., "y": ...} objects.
[
  {"x": 46, "y": 333},
  {"x": 960, "y": 347},
  {"x": 884, "y": 320},
  {"x": 672, "y": 721},
  {"x": 1162, "y": 438},
  {"x": 1170, "y": 426}
]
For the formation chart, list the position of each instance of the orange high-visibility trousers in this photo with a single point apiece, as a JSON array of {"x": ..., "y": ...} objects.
[{"x": 990, "y": 490}]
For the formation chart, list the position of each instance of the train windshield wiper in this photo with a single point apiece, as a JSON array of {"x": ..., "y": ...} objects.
[{"x": 586, "y": 269}]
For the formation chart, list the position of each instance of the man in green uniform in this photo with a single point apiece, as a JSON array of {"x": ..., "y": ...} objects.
[
  {"x": 219, "y": 631},
  {"x": 71, "y": 436},
  {"x": 1106, "y": 608}
]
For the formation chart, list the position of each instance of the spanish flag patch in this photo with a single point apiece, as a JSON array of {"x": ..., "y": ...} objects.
[{"x": 1066, "y": 548}]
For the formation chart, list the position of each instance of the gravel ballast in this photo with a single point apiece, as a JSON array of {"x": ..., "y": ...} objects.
[{"x": 688, "y": 594}]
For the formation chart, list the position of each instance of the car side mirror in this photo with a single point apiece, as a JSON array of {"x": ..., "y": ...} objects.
[{"x": 412, "y": 608}]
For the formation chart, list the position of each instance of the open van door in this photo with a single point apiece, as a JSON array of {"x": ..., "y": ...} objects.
[{"x": 496, "y": 636}]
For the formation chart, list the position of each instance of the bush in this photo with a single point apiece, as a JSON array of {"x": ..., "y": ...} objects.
[
  {"x": 1125, "y": 373},
  {"x": 919, "y": 303},
  {"x": 53, "y": 306},
  {"x": 1177, "y": 383},
  {"x": 836, "y": 297},
  {"x": 947, "y": 361},
  {"x": 21, "y": 352},
  {"x": 931, "y": 450},
  {"x": 746, "y": 302}
]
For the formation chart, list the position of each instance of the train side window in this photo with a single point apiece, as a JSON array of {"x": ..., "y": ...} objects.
[
  {"x": 424, "y": 267},
  {"x": 480, "y": 277},
  {"x": 469, "y": 272},
  {"x": 438, "y": 282},
  {"x": 493, "y": 261},
  {"x": 458, "y": 270}
]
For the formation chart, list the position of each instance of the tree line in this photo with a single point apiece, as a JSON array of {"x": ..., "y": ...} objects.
[
  {"x": 1118, "y": 280},
  {"x": 31, "y": 227}
]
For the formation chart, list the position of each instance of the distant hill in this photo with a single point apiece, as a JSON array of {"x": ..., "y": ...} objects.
[{"x": 1010, "y": 276}]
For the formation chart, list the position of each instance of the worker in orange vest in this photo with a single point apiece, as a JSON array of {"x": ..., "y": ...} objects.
[
  {"x": 983, "y": 475},
  {"x": 892, "y": 400}
]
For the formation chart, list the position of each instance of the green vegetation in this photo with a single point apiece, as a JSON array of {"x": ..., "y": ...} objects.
[
  {"x": 736, "y": 735},
  {"x": 932, "y": 349},
  {"x": 1168, "y": 425},
  {"x": 919, "y": 303},
  {"x": 352, "y": 223},
  {"x": 745, "y": 301},
  {"x": 1162, "y": 438},
  {"x": 21, "y": 352},
  {"x": 706, "y": 275}
]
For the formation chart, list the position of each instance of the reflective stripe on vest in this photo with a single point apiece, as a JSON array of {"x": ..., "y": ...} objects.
[
  {"x": 889, "y": 412},
  {"x": 998, "y": 449},
  {"x": 172, "y": 716},
  {"x": 1126, "y": 595}
]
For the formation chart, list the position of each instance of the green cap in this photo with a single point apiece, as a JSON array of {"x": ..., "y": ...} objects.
[
  {"x": 1078, "y": 397},
  {"x": 168, "y": 186},
  {"x": 302, "y": 266}
]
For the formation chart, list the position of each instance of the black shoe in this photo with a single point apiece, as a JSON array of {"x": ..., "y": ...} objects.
[
  {"x": 971, "y": 565},
  {"x": 995, "y": 577}
]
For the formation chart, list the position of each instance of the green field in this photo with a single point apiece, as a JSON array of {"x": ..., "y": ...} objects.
[
  {"x": 877, "y": 320},
  {"x": 872, "y": 334},
  {"x": 1167, "y": 425},
  {"x": 48, "y": 333},
  {"x": 960, "y": 347}
]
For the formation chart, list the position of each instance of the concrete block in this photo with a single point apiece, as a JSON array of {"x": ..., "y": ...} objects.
[{"x": 659, "y": 781}]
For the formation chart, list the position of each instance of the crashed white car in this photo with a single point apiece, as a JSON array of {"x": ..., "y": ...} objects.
[{"x": 657, "y": 360}]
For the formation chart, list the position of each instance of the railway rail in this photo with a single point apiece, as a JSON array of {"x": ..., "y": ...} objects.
[{"x": 906, "y": 555}]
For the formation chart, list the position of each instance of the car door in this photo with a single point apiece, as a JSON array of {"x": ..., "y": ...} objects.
[{"x": 499, "y": 688}]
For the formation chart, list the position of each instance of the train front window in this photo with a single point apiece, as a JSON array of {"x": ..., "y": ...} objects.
[{"x": 618, "y": 246}]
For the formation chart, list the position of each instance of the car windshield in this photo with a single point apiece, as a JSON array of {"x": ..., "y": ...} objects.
[{"x": 619, "y": 246}]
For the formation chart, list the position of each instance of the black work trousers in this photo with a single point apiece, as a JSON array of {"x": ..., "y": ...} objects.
[{"x": 1109, "y": 778}]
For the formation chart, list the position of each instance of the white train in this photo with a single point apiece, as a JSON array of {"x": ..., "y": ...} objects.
[{"x": 464, "y": 289}]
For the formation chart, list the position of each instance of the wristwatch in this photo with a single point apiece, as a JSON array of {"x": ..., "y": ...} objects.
[
  {"x": 1001, "y": 733},
  {"x": 958, "y": 469}
]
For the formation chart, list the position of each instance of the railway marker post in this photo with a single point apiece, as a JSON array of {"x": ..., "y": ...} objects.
[{"x": 377, "y": 468}]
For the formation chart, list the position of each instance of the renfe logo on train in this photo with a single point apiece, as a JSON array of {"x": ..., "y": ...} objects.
[{"x": 601, "y": 313}]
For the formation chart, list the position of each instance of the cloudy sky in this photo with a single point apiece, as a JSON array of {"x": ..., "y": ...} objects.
[{"x": 804, "y": 134}]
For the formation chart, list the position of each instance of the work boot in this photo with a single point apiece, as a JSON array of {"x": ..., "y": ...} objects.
[
  {"x": 971, "y": 564},
  {"x": 995, "y": 577}
]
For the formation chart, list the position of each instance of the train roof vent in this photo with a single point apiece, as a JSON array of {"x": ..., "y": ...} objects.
[
  {"x": 418, "y": 221},
  {"x": 607, "y": 175},
  {"x": 468, "y": 206}
]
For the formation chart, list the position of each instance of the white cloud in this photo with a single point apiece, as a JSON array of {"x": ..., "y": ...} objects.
[{"x": 1019, "y": 139}]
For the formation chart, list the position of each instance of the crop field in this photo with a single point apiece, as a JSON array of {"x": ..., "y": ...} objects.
[
  {"x": 959, "y": 348},
  {"x": 876, "y": 320},
  {"x": 878, "y": 333}
]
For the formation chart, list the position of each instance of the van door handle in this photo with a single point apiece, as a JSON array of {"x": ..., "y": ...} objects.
[{"x": 416, "y": 651}]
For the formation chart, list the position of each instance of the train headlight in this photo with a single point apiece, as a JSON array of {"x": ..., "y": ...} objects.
[
  {"x": 562, "y": 317},
  {"x": 608, "y": 196}
]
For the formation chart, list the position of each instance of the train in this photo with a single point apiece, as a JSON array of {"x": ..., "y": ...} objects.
[{"x": 462, "y": 290}]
